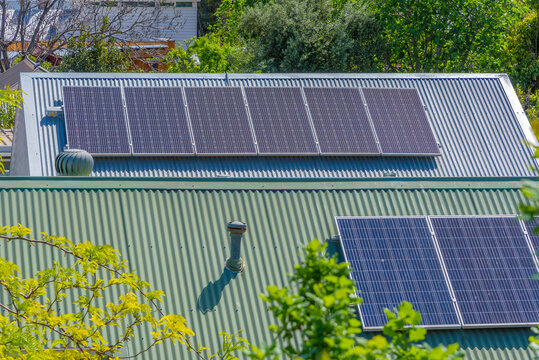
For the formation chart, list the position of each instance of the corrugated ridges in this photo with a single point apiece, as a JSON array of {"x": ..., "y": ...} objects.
[
  {"x": 176, "y": 239},
  {"x": 472, "y": 119}
]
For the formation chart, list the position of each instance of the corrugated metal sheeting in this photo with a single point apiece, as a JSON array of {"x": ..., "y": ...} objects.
[
  {"x": 173, "y": 233},
  {"x": 476, "y": 119}
]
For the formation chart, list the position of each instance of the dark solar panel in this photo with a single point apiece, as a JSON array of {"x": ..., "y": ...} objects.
[
  {"x": 280, "y": 121},
  {"x": 158, "y": 121},
  {"x": 219, "y": 121},
  {"x": 490, "y": 267},
  {"x": 400, "y": 122},
  {"x": 340, "y": 121},
  {"x": 95, "y": 120},
  {"x": 394, "y": 260}
]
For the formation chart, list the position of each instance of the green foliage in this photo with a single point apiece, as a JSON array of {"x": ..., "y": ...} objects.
[
  {"x": 31, "y": 327},
  {"x": 311, "y": 36},
  {"x": 534, "y": 340},
  {"x": 317, "y": 320},
  {"x": 231, "y": 343},
  {"x": 227, "y": 20},
  {"x": 521, "y": 50},
  {"x": 402, "y": 329},
  {"x": 94, "y": 52},
  {"x": 530, "y": 102},
  {"x": 10, "y": 101},
  {"x": 440, "y": 35},
  {"x": 208, "y": 54},
  {"x": 205, "y": 14}
]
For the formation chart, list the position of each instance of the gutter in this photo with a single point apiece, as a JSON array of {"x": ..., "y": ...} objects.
[{"x": 277, "y": 184}]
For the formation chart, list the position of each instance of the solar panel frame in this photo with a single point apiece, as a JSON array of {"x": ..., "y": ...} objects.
[
  {"x": 450, "y": 303},
  {"x": 86, "y": 107},
  {"x": 528, "y": 226},
  {"x": 449, "y": 270},
  {"x": 199, "y": 129},
  {"x": 306, "y": 140},
  {"x": 355, "y": 111},
  {"x": 380, "y": 127},
  {"x": 167, "y": 109}
]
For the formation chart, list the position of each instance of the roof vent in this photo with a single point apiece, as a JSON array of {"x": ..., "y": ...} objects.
[
  {"x": 74, "y": 162},
  {"x": 235, "y": 263}
]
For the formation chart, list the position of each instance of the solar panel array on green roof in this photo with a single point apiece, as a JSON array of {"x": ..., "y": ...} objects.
[{"x": 481, "y": 265}]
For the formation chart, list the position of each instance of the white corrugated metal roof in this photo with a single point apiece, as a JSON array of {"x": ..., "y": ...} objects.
[{"x": 476, "y": 117}]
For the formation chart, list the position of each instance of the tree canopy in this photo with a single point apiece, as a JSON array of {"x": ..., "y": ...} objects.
[{"x": 104, "y": 296}]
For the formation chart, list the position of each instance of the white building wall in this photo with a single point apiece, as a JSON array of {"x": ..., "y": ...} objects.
[{"x": 185, "y": 29}]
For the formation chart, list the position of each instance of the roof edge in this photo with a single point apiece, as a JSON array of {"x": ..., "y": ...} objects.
[
  {"x": 278, "y": 184},
  {"x": 518, "y": 110},
  {"x": 224, "y": 76}
]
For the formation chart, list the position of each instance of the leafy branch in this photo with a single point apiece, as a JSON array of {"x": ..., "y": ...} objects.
[{"x": 30, "y": 325}]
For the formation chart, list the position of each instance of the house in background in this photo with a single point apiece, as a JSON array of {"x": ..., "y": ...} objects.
[
  {"x": 12, "y": 76},
  {"x": 166, "y": 208},
  {"x": 179, "y": 31}
]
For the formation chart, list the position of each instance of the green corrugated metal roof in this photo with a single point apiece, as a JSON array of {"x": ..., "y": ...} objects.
[{"x": 173, "y": 233}]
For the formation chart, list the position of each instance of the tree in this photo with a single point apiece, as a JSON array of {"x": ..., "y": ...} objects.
[
  {"x": 208, "y": 54},
  {"x": 520, "y": 51},
  {"x": 311, "y": 36},
  {"x": 220, "y": 50},
  {"x": 10, "y": 101},
  {"x": 95, "y": 52},
  {"x": 40, "y": 27},
  {"x": 530, "y": 103},
  {"x": 31, "y": 327},
  {"x": 442, "y": 36},
  {"x": 315, "y": 309}
]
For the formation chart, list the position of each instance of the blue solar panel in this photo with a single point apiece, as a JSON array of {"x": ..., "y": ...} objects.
[
  {"x": 280, "y": 121},
  {"x": 95, "y": 120},
  {"x": 219, "y": 120},
  {"x": 394, "y": 260},
  {"x": 158, "y": 121},
  {"x": 341, "y": 122},
  {"x": 490, "y": 267},
  {"x": 400, "y": 122}
]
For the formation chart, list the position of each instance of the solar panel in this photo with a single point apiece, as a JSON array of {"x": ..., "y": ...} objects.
[
  {"x": 280, "y": 121},
  {"x": 490, "y": 267},
  {"x": 400, "y": 122},
  {"x": 157, "y": 121},
  {"x": 393, "y": 260},
  {"x": 95, "y": 120},
  {"x": 219, "y": 121},
  {"x": 340, "y": 121}
]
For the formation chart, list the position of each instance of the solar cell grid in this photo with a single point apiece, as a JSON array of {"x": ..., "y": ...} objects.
[
  {"x": 400, "y": 122},
  {"x": 158, "y": 121},
  {"x": 219, "y": 121},
  {"x": 340, "y": 121},
  {"x": 394, "y": 260},
  {"x": 280, "y": 121},
  {"x": 490, "y": 267},
  {"x": 95, "y": 120}
]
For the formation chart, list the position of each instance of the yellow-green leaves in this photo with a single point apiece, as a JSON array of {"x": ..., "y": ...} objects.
[{"x": 86, "y": 274}]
